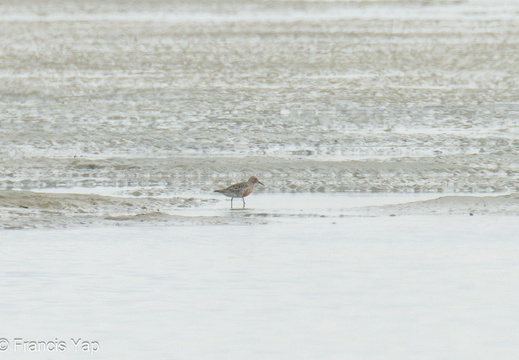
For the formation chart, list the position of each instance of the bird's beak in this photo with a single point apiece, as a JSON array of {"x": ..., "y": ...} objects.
[{"x": 259, "y": 182}]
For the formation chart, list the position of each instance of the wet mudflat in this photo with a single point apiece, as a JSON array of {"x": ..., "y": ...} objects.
[{"x": 308, "y": 96}]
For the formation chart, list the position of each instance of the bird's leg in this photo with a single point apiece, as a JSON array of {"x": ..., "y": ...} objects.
[
  {"x": 231, "y": 202},
  {"x": 243, "y": 202}
]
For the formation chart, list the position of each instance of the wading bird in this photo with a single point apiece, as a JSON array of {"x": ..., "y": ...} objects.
[{"x": 240, "y": 189}]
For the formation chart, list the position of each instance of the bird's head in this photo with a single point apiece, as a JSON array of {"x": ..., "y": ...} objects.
[{"x": 254, "y": 180}]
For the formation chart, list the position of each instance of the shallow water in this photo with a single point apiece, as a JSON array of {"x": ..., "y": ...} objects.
[{"x": 372, "y": 288}]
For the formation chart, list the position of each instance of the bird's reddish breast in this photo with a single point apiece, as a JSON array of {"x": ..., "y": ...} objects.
[{"x": 247, "y": 191}]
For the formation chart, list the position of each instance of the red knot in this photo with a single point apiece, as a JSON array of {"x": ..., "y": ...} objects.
[{"x": 240, "y": 189}]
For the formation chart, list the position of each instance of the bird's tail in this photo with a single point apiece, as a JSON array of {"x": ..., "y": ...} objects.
[{"x": 218, "y": 191}]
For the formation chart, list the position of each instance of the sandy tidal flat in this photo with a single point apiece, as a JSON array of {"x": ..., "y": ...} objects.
[{"x": 25, "y": 209}]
